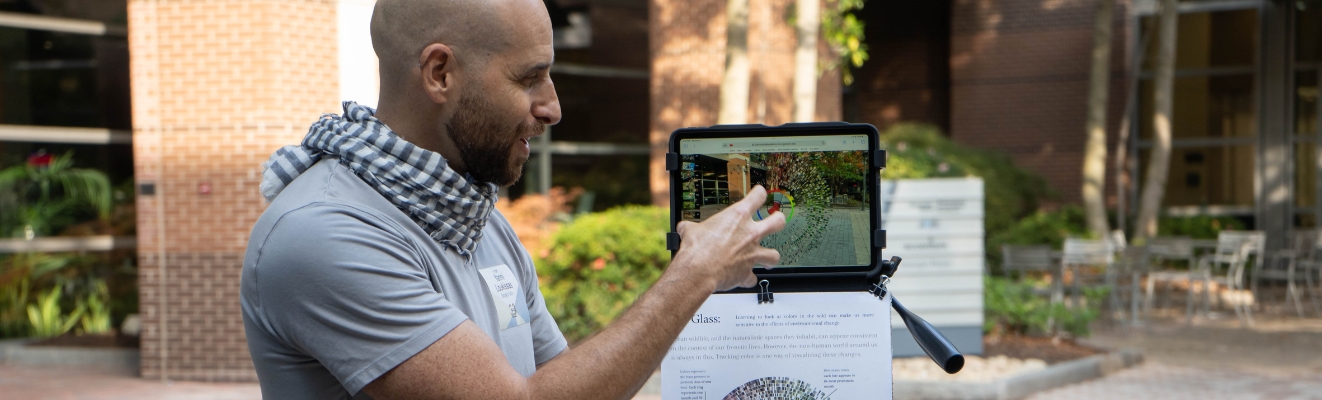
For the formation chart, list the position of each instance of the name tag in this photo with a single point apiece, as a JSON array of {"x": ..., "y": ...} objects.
[{"x": 506, "y": 296}]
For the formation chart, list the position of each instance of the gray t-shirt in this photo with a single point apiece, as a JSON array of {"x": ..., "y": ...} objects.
[{"x": 339, "y": 287}]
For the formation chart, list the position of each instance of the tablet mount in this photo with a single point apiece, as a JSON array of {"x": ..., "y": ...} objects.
[{"x": 931, "y": 340}]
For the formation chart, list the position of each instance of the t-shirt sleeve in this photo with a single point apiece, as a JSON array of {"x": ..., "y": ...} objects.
[
  {"x": 344, "y": 287},
  {"x": 547, "y": 340}
]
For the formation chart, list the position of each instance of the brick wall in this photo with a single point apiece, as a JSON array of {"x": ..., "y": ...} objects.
[
  {"x": 1019, "y": 82},
  {"x": 687, "y": 40},
  {"x": 217, "y": 86}
]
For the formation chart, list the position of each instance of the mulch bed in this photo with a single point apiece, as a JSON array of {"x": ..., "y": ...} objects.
[
  {"x": 103, "y": 340},
  {"x": 1043, "y": 348}
]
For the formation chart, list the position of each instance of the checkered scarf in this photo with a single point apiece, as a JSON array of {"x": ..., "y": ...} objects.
[{"x": 449, "y": 207}]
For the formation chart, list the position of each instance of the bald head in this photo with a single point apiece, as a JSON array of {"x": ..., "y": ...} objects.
[{"x": 402, "y": 28}]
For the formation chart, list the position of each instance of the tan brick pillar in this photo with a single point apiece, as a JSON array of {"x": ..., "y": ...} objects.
[
  {"x": 688, "y": 59},
  {"x": 216, "y": 86}
]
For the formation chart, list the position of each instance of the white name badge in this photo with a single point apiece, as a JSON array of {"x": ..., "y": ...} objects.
[{"x": 506, "y": 296}]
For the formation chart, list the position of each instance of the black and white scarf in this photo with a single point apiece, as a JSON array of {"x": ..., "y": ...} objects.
[{"x": 452, "y": 209}]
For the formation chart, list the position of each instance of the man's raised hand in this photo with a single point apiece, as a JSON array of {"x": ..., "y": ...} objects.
[{"x": 727, "y": 245}]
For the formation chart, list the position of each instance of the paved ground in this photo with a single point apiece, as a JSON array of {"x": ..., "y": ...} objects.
[
  {"x": 1278, "y": 358},
  {"x": 59, "y": 383},
  {"x": 845, "y": 229}
]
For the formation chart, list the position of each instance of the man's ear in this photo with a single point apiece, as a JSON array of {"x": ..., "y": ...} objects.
[{"x": 438, "y": 72}]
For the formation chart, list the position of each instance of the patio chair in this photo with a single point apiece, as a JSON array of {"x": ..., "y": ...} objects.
[
  {"x": 1291, "y": 265},
  {"x": 1078, "y": 255},
  {"x": 1033, "y": 258},
  {"x": 1162, "y": 251},
  {"x": 1134, "y": 262},
  {"x": 1234, "y": 250}
]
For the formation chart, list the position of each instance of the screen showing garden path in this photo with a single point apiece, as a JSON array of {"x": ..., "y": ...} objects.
[{"x": 816, "y": 181}]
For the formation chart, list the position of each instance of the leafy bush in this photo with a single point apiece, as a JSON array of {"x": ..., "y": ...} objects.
[
  {"x": 597, "y": 265},
  {"x": 1042, "y": 227},
  {"x": 48, "y": 319},
  {"x": 1200, "y": 227},
  {"x": 46, "y": 194},
  {"x": 919, "y": 151},
  {"x": 1015, "y": 308}
]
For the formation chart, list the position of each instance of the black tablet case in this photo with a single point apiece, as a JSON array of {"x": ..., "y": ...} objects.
[{"x": 793, "y": 282}]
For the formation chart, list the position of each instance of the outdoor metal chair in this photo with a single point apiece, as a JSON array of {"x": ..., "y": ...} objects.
[
  {"x": 1080, "y": 254},
  {"x": 1033, "y": 258},
  {"x": 1162, "y": 251},
  {"x": 1132, "y": 264},
  {"x": 1291, "y": 265},
  {"x": 1234, "y": 250}
]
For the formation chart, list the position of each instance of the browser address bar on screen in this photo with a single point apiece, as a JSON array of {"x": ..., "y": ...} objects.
[
  {"x": 795, "y": 143},
  {"x": 774, "y": 144}
]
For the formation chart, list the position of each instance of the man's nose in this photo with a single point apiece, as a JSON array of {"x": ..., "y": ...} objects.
[{"x": 548, "y": 110}]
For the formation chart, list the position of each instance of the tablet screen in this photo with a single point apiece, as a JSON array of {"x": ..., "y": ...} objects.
[{"x": 818, "y": 182}]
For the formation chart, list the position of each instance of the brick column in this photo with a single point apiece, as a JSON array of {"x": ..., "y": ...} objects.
[{"x": 216, "y": 86}]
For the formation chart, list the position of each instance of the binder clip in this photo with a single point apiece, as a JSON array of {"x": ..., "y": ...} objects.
[{"x": 764, "y": 294}]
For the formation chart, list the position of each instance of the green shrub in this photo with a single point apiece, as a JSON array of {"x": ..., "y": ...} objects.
[
  {"x": 919, "y": 151},
  {"x": 48, "y": 319},
  {"x": 1042, "y": 227},
  {"x": 1200, "y": 227},
  {"x": 597, "y": 265},
  {"x": 1015, "y": 308}
]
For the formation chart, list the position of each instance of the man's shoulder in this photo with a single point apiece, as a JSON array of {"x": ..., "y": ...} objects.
[{"x": 327, "y": 200}]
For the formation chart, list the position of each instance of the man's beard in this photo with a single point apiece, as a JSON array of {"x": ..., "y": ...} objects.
[{"x": 485, "y": 146}]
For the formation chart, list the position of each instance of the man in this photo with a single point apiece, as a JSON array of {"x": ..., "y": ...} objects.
[{"x": 380, "y": 268}]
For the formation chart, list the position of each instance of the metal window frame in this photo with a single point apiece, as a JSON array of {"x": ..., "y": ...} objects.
[
  {"x": 59, "y": 24},
  {"x": 63, "y": 134}
]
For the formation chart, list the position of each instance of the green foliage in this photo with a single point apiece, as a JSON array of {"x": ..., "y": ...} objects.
[
  {"x": 48, "y": 319},
  {"x": 844, "y": 32},
  {"x": 1200, "y": 227},
  {"x": 49, "y": 195},
  {"x": 600, "y": 263},
  {"x": 13, "y": 313},
  {"x": 97, "y": 317},
  {"x": 1042, "y": 227},
  {"x": 1014, "y": 308},
  {"x": 919, "y": 151}
]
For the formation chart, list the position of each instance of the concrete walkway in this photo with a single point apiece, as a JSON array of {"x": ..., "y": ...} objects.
[
  {"x": 59, "y": 383},
  {"x": 1278, "y": 358}
]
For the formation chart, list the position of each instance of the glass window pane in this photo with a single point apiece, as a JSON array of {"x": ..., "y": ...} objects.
[
  {"x": 1308, "y": 34},
  {"x": 612, "y": 180},
  {"x": 1305, "y": 103},
  {"x": 1203, "y": 176},
  {"x": 63, "y": 79},
  {"x": 1204, "y": 107},
  {"x": 1208, "y": 40}
]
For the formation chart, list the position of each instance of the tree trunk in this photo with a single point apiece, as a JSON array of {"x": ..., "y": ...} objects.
[
  {"x": 807, "y": 22},
  {"x": 1154, "y": 186},
  {"x": 734, "y": 83},
  {"x": 1094, "y": 158}
]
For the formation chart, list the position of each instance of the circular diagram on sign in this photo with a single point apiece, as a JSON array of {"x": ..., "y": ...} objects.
[{"x": 776, "y": 388}]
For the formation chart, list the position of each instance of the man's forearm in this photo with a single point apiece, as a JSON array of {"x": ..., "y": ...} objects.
[{"x": 616, "y": 362}]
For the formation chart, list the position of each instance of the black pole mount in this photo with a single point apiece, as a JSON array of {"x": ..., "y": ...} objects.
[{"x": 931, "y": 340}]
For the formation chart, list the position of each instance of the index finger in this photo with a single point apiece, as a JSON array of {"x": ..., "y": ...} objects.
[{"x": 753, "y": 200}]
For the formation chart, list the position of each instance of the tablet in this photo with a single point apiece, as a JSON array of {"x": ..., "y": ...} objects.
[{"x": 822, "y": 176}]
